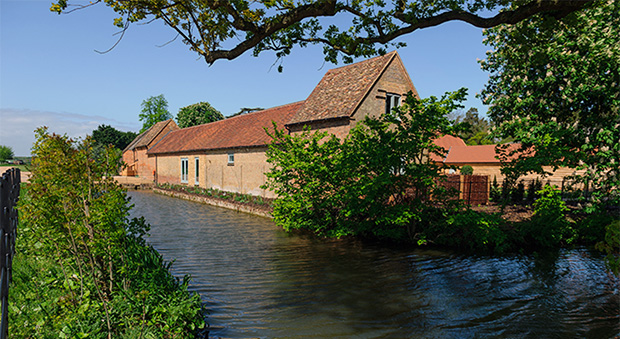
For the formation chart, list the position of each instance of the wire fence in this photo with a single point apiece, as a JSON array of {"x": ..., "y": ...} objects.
[{"x": 9, "y": 195}]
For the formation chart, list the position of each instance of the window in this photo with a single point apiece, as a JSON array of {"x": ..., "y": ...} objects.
[
  {"x": 184, "y": 169},
  {"x": 231, "y": 159},
  {"x": 196, "y": 171},
  {"x": 391, "y": 101}
]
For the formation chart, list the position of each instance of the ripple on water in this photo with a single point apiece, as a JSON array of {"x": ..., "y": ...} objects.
[{"x": 258, "y": 281}]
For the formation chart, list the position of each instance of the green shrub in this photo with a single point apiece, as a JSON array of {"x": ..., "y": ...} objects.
[
  {"x": 518, "y": 193},
  {"x": 535, "y": 186},
  {"x": 467, "y": 170},
  {"x": 82, "y": 268},
  {"x": 548, "y": 226},
  {"x": 611, "y": 246},
  {"x": 375, "y": 182},
  {"x": 474, "y": 231},
  {"x": 495, "y": 193}
]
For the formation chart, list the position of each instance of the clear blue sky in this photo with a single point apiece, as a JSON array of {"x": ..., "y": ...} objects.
[{"x": 51, "y": 75}]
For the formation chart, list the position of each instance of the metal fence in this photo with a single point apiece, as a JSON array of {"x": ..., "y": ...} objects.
[{"x": 9, "y": 195}]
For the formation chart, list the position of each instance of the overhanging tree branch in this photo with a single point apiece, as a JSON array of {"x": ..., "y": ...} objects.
[{"x": 286, "y": 23}]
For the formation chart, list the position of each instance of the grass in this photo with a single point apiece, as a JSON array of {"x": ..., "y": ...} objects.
[{"x": 23, "y": 168}]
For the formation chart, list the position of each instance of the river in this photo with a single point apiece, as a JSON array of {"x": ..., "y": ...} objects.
[{"x": 260, "y": 282}]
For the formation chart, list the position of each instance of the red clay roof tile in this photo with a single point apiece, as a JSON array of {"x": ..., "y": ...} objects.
[
  {"x": 341, "y": 89},
  {"x": 146, "y": 137},
  {"x": 240, "y": 131},
  {"x": 447, "y": 142},
  {"x": 476, "y": 154}
]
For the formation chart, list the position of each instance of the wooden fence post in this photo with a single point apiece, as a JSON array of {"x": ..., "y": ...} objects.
[{"x": 9, "y": 195}]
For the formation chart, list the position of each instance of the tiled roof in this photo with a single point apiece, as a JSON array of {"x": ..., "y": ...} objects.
[
  {"x": 146, "y": 137},
  {"x": 448, "y": 141},
  {"x": 342, "y": 89},
  {"x": 459, "y": 153},
  {"x": 240, "y": 131}
]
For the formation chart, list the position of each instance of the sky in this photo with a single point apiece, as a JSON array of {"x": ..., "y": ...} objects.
[{"x": 51, "y": 74}]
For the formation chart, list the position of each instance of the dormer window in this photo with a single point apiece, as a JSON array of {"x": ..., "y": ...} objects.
[{"x": 391, "y": 101}]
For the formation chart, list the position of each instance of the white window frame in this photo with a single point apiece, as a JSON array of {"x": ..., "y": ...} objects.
[
  {"x": 196, "y": 171},
  {"x": 392, "y": 100},
  {"x": 231, "y": 159},
  {"x": 184, "y": 170}
]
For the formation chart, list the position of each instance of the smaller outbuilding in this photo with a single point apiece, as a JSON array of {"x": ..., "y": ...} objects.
[{"x": 138, "y": 164}]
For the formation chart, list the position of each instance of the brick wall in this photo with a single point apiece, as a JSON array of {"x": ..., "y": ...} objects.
[
  {"x": 394, "y": 80},
  {"x": 245, "y": 175},
  {"x": 337, "y": 127}
]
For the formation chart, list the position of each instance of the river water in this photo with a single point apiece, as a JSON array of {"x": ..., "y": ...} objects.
[{"x": 260, "y": 282}]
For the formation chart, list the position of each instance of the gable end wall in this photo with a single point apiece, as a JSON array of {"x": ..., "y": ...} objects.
[{"x": 395, "y": 80}]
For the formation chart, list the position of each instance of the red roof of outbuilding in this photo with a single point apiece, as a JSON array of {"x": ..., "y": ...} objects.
[
  {"x": 472, "y": 154},
  {"x": 449, "y": 141},
  {"x": 241, "y": 131},
  {"x": 477, "y": 154}
]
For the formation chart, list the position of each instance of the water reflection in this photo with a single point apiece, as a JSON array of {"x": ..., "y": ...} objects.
[{"x": 258, "y": 281}]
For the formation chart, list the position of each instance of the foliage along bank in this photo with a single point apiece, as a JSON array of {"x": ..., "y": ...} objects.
[
  {"x": 82, "y": 268},
  {"x": 381, "y": 182}
]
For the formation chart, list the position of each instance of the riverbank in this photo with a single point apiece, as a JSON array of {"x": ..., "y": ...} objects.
[
  {"x": 239, "y": 206},
  {"x": 511, "y": 213}
]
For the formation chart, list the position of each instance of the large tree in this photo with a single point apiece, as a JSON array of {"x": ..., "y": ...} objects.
[
  {"x": 375, "y": 182},
  {"x": 106, "y": 135},
  {"x": 6, "y": 153},
  {"x": 478, "y": 128},
  {"x": 154, "y": 110},
  {"x": 226, "y": 29},
  {"x": 554, "y": 87},
  {"x": 198, "y": 114}
]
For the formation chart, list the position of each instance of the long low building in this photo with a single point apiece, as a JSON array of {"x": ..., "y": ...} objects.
[{"x": 230, "y": 154}]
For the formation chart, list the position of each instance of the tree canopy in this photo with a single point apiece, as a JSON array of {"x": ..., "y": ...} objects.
[
  {"x": 106, "y": 135},
  {"x": 226, "y": 29},
  {"x": 245, "y": 110},
  {"x": 375, "y": 182},
  {"x": 478, "y": 128},
  {"x": 6, "y": 153},
  {"x": 154, "y": 110},
  {"x": 198, "y": 114},
  {"x": 554, "y": 87}
]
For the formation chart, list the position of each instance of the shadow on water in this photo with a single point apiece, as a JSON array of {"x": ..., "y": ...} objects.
[{"x": 258, "y": 281}]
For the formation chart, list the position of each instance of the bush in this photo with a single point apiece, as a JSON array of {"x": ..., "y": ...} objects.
[
  {"x": 467, "y": 170},
  {"x": 518, "y": 193},
  {"x": 611, "y": 246},
  {"x": 495, "y": 194},
  {"x": 548, "y": 226},
  {"x": 535, "y": 186},
  {"x": 376, "y": 182},
  {"x": 473, "y": 231},
  {"x": 83, "y": 268}
]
